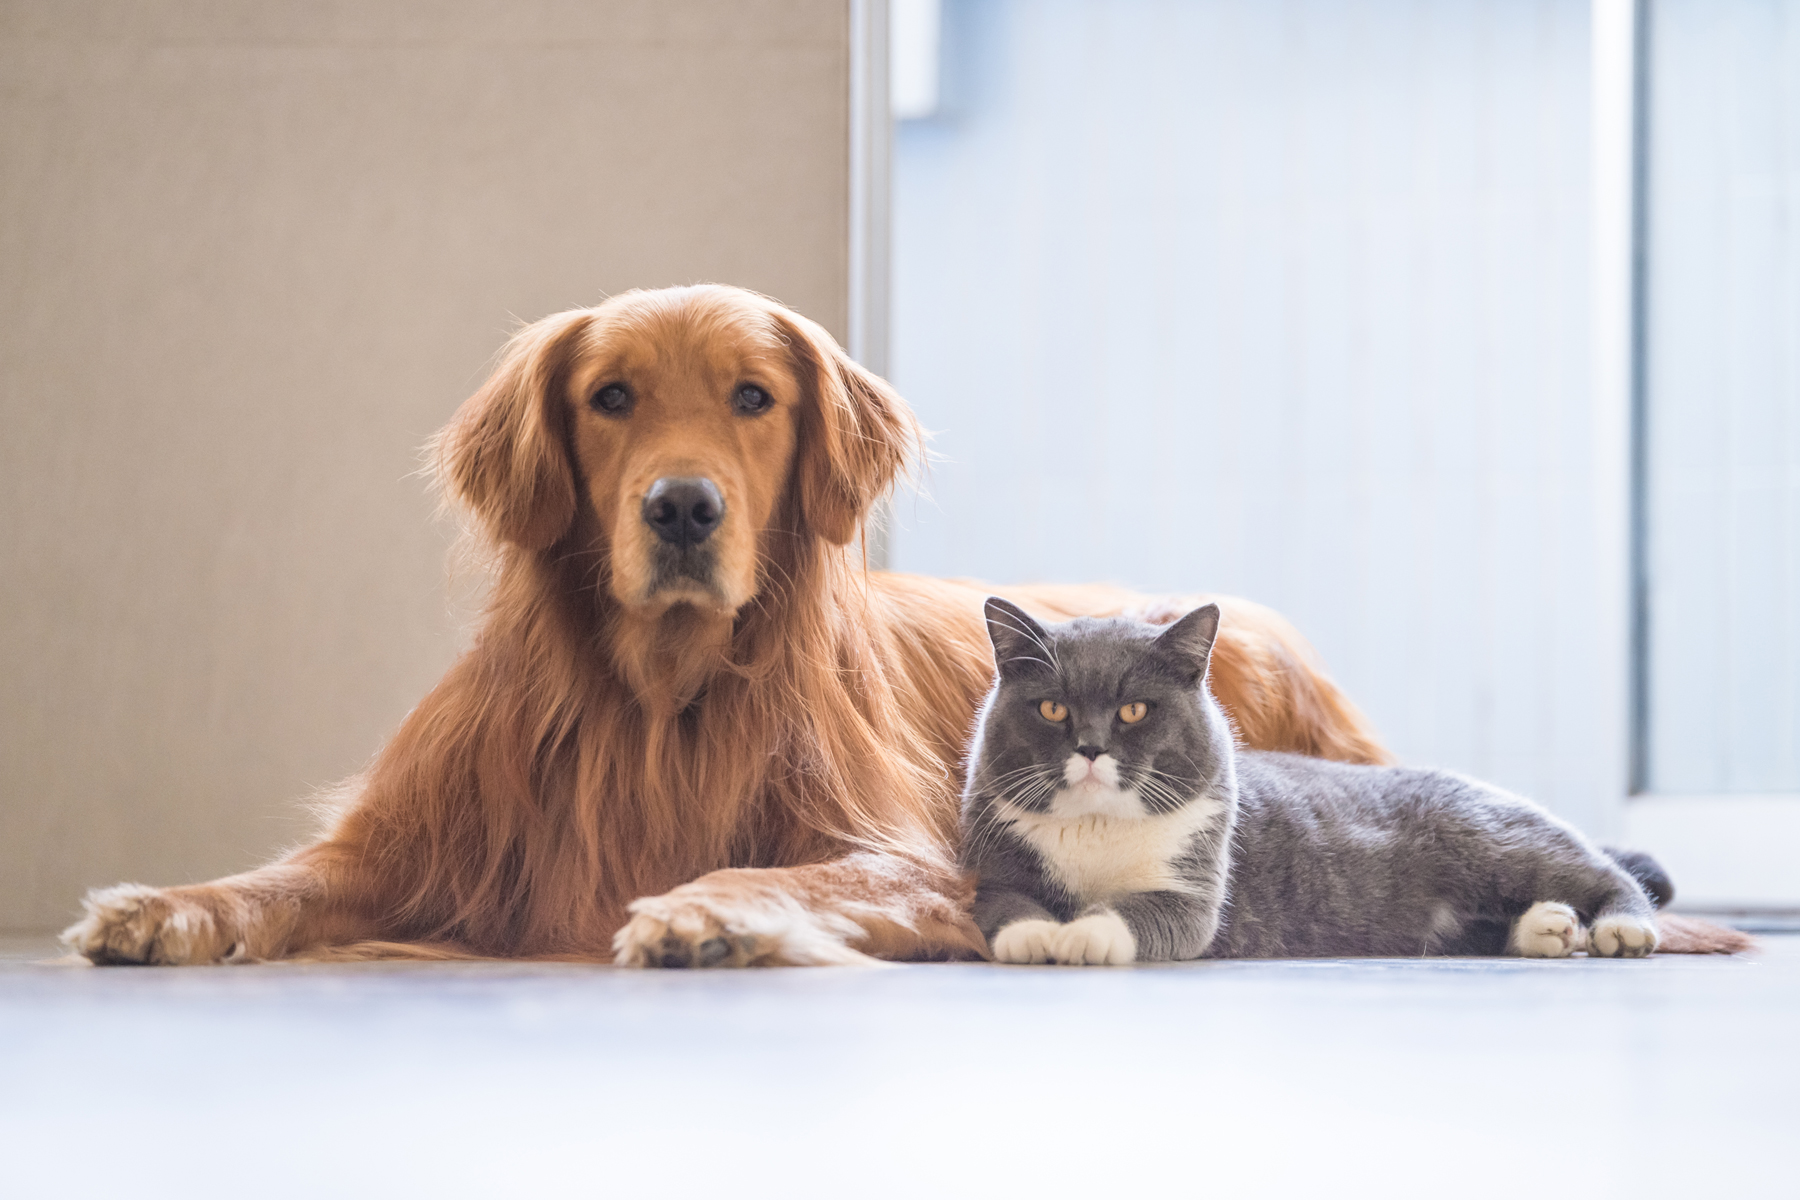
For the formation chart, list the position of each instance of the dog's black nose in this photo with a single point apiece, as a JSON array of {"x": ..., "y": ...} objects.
[
  {"x": 684, "y": 512},
  {"x": 1089, "y": 752}
]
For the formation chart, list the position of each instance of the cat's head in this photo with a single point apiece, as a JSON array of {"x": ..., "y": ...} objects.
[{"x": 1109, "y": 717}]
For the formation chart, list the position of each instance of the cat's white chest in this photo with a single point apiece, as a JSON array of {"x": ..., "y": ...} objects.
[{"x": 1098, "y": 857}]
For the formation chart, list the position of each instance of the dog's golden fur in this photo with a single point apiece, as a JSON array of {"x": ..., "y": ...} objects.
[{"x": 757, "y": 762}]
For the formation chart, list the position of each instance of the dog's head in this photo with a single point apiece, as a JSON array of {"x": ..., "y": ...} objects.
[{"x": 681, "y": 429}]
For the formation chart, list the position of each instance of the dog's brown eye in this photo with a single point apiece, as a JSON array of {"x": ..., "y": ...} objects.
[
  {"x": 1050, "y": 710},
  {"x": 750, "y": 399},
  {"x": 613, "y": 399},
  {"x": 1134, "y": 712}
]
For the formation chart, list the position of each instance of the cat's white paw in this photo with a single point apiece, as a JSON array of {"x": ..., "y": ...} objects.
[
  {"x": 1548, "y": 929},
  {"x": 1025, "y": 942},
  {"x": 1622, "y": 936},
  {"x": 1102, "y": 939}
]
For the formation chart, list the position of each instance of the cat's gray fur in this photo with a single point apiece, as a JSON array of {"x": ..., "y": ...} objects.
[{"x": 1261, "y": 854}]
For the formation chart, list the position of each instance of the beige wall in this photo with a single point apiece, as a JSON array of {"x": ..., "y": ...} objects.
[{"x": 251, "y": 255}]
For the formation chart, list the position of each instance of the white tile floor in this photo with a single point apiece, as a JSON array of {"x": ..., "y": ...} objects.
[{"x": 1443, "y": 1078}]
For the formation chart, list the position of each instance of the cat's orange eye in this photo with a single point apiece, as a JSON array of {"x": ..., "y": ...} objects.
[
  {"x": 1134, "y": 712},
  {"x": 1050, "y": 710}
]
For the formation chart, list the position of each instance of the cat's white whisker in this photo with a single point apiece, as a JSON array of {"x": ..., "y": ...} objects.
[{"x": 1165, "y": 796}]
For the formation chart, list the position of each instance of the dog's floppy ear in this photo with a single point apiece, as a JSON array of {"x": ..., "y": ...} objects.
[
  {"x": 504, "y": 453},
  {"x": 856, "y": 434}
]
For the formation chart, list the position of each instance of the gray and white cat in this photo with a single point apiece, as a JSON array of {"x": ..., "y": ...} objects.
[{"x": 1110, "y": 818}]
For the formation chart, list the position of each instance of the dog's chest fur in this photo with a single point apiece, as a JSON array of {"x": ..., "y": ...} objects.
[{"x": 1098, "y": 858}]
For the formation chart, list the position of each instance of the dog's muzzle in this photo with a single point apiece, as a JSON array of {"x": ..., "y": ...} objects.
[{"x": 683, "y": 511}]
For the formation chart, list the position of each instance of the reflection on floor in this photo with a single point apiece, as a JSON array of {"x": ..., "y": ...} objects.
[{"x": 1670, "y": 1077}]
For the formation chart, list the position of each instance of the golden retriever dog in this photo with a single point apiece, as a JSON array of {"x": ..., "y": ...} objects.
[{"x": 693, "y": 729}]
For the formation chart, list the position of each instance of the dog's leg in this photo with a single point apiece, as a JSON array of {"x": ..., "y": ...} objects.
[
  {"x": 857, "y": 909},
  {"x": 268, "y": 913}
]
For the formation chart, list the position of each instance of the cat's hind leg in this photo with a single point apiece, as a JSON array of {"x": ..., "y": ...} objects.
[
  {"x": 1622, "y": 935},
  {"x": 1624, "y": 919},
  {"x": 1551, "y": 929},
  {"x": 1561, "y": 878},
  {"x": 1548, "y": 929}
]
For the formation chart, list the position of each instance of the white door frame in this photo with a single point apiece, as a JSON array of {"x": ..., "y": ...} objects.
[
  {"x": 871, "y": 200},
  {"x": 1724, "y": 851}
]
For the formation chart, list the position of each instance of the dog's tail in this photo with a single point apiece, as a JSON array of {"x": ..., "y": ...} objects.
[{"x": 1678, "y": 934}]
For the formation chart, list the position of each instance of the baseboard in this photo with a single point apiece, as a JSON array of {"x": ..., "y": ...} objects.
[{"x": 1724, "y": 852}]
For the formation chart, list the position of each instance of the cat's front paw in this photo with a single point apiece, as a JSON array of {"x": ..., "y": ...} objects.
[
  {"x": 1026, "y": 942},
  {"x": 1099, "y": 940},
  {"x": 1622, "y": 936},
  {"x": 1547, "y": 930}
]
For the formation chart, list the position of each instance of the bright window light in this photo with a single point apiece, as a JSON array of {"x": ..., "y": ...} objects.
[{"x": 913, "y": 65}]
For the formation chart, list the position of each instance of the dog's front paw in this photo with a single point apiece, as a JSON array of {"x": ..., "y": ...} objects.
[
  {"x": 1619, "y": 935},
  {"x": 1100, "y": 939},
  {"x": 130, "y": 923},
  {"x": 716, "y": 923},
  {"x": 1547, "y": 930},
  {"x": 661, "y": 934},
  {"x": 1025, "y": 942}
]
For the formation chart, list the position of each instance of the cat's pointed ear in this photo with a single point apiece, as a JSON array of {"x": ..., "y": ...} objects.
[
  {"x": 1016, "y": 637},
  {"x": 1189, "y": 641}
]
